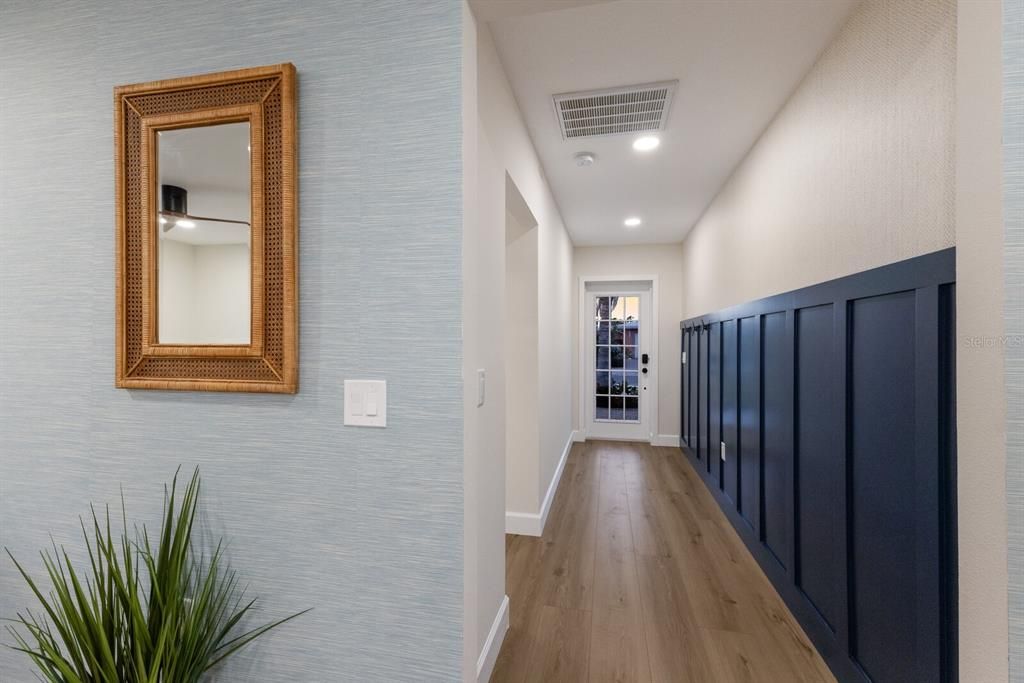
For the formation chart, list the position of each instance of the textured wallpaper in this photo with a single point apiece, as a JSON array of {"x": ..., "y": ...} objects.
[
  {"x": 1013, "y": 198},
  {"x": 365, "y": 526},
  {"x": 855, "y": 171}
]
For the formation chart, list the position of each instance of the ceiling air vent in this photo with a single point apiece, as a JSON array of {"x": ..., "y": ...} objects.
[{"x": 630, "y": 109}]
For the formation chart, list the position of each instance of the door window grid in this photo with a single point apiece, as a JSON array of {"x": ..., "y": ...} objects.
[{"x": 617, "y": 358}]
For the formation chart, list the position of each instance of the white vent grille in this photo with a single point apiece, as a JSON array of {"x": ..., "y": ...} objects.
[{"x": 630, "y": 109}]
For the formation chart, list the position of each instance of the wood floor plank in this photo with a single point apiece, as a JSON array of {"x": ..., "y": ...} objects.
[
  {"x": 640, "y": 577},
  {"x": 567, "y": 565},
  {"x": 615, "y": 577},
  {"x": 569, "y": 631},
  {"x": 674, "y": 645},
  {"x": 618, "y": 649}
]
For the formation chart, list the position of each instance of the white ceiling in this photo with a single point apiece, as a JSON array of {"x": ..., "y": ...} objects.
[{"x": 736, "y": 61}]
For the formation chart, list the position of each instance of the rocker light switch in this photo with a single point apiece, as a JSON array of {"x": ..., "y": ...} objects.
[{"x": 366, "y": 403}]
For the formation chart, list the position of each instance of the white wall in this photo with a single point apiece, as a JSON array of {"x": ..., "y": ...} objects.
[
  {"x": 497, "y": 150},
  {"x": 483, "y": 263},
  {"x": 522, "y": 344},
  {"x": 204, "y": 293},
  {"x": 506, "y": 148},
  {"x": 855, "y": 171},
  {"x": 176, "y": 298},
  {"x": 222, "y": 283},
  {"x": 981, "y": 400},
  {"x": 666, "y": 262}
]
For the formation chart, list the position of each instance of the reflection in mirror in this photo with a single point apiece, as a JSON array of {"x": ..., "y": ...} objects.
[{"x": 205, "y": 237}]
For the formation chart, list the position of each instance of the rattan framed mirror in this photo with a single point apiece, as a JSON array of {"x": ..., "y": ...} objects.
[{"x": 206, "y": 213}]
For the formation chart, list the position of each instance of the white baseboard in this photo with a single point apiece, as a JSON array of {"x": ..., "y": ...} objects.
[
  {"x": 669, "y": 440},
  {"x": 492, "y": 646},
  {"x": 532, "y": 523},
  {"x": 522, "y": 523}
]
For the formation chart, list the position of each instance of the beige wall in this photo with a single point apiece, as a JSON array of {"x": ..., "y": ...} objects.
[
  {"x": 981, "y": 400},
  {"x": 665, "y": 262},
  {"x": 890, "y": 149},
  {"x": 856, "y": 170}
]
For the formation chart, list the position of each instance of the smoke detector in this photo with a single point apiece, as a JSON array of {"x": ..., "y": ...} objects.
[
  {"x": 584, "y": 159},
  {"x": 614, "y": 111}
]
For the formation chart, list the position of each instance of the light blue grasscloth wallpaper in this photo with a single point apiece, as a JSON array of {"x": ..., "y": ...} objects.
[
  {"x": 1013, "y": 197},
  {"x": 365, "y": 525}
]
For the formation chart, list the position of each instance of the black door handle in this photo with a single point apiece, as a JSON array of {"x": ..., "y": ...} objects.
[{"x": 644, "y": 358}]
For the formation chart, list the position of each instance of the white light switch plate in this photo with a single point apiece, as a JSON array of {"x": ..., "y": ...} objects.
[
  {"x": 481, "y": 387},
  {"x": 366, "y": 403}
]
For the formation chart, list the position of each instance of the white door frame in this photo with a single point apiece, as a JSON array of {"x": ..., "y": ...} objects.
[{"x": 586, "y": 321}]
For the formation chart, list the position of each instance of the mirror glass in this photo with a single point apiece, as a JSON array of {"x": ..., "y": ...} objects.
[{"x": 204, "y": 256}]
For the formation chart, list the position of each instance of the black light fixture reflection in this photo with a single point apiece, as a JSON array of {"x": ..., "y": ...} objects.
[{"x": 174, "y": 210}]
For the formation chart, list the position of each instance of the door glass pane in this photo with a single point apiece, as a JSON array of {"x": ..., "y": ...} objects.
[
  {"x": 615, "y": 408},
  {"x": 632, "y": 409},
  {"x": 632, "y": 307},
  {"x": 617, "y": 358},
  {"x": 617, "y": 331},
  {"x": 618, "y": 307}
]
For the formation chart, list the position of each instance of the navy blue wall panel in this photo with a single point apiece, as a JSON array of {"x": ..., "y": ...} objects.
[
  {"x": 836, "y": 404},
  {"x": 693, "y": 361},
  {"x": 881, "y": 437},
  {"x": 715, "y": 401},
  {"x": 730, "y": 409},
  {"x": 684, "y": 383},
  {"x": 947, "y": 480},
  {"x": 818, "y": 481},
  {"x": 777, "y": 423},
  {"x": 702, "y": 397},
  {"x": 750, "y": 420}
]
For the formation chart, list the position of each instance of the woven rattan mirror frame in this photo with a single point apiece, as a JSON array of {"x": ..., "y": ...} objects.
[{"x": 265, "y": 98}]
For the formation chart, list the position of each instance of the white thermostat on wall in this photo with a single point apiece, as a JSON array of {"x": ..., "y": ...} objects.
[{"x": 366, "y": 403}]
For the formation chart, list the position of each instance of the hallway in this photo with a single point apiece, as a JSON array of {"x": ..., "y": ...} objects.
[{"x": 639, "y": 577}]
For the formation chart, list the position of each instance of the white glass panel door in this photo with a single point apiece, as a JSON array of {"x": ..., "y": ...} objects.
[
  {"x": 617, "y": 373},
  {"x": 618, "y": 363}
]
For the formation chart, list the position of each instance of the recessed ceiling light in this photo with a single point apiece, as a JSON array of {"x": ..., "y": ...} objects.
[
  {"x": 632, "y": 222},
  {"x": 183, "y": 223},
  {"x": 646, "y": 143}
]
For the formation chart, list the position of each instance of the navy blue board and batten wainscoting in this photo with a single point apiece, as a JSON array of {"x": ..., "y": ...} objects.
[{"x": 836, "y": 405}]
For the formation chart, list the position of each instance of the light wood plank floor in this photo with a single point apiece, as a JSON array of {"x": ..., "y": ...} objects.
[{"x": 640, "y": 578}]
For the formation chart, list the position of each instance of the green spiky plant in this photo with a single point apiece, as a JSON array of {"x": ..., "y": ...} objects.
[{"x": 137, "y": 613}]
